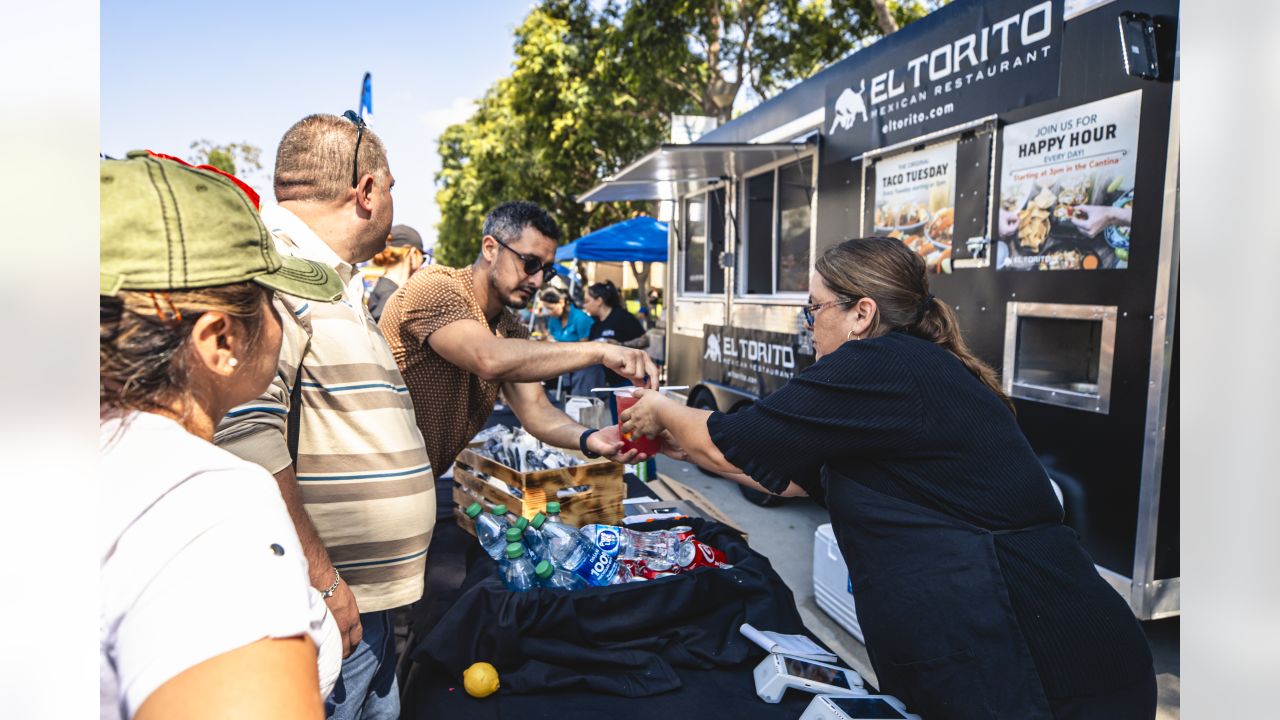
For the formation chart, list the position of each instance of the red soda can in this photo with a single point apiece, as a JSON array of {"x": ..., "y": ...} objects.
[{"x": 693, "y": 554}]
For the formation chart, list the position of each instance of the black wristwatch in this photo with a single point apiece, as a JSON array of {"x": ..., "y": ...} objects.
[{"x": 582, "y": 443}]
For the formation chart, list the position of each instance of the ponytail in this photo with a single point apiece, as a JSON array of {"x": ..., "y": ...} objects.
[
  {"x": 887, "y": 271},
  {"x": 608, "y": 292}
]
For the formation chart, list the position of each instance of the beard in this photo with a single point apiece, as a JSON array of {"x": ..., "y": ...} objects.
[{"x": 513, "y": 298}]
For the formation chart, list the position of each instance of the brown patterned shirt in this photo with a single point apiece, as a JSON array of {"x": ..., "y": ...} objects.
[{"x": 452, "y": 403}]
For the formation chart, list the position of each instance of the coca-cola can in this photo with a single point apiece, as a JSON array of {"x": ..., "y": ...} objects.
[
  {"x": 684, "y": 532},
  {"x": 659, "y": 565},
  {"x": 692, "y": 554}
]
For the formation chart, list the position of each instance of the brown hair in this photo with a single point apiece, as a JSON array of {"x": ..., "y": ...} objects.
[
  {"x": 392, "y": 255},
  {"x": 143, "y": 341},
  {"x": 314, "y": 159},
  {"x": 888, "y": 272}
]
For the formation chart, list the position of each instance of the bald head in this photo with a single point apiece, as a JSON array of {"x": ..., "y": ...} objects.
[{"x": 313, "y": 162}]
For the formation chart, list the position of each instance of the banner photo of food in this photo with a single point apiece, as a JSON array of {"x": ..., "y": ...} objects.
[
  {"x": 915, "y": 202},
  {"x": 1066, "y": 188}
]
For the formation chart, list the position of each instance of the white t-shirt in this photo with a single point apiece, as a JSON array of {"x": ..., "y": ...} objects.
[{"x": 199, "y": 557}]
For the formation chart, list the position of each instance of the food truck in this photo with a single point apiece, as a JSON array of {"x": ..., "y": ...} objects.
[{"x": 1028, "y": 151}]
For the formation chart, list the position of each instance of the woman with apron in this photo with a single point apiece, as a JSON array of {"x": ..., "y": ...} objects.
[{"x": 975, "y": 600}]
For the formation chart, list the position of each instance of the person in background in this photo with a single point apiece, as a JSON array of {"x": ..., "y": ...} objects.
[
  {"x": 613, "y": 325},
  {"x": 976, "y": 600},
  {"x": 458, "y": 342},
  {"x": 336, "y": 426},
  {"x": 566, "y": 323},
  {"x": 206, "y": 608},
  {"x": 400, "y": 259}
]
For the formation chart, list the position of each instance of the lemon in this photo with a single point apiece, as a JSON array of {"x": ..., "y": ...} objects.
[{"x": 480, "y": 680}]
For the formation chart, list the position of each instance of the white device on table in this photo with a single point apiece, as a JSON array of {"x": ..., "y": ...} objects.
[
  {"x": 864, "y": 707},
  {"x": 777, "y": 672}
]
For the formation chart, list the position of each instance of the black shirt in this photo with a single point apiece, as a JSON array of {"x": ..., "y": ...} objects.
[
  {"x": 620, "y": 326},
  {"x": 904, "y": 417},
  {"x": 378, "y": 297}
]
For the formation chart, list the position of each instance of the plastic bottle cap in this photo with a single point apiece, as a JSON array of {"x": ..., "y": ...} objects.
[
  {"x": 514, "y": 550},
  {"x": 553, "y": 508},
  {"x": 499, "y": 510},
  {"x": 473, "y": 510},
  {"x": 544, "y": 570},
  {"x": 522, "y": 523},
  {"x": 513, "y": 535},
  {"x": 537, "y": 520}
]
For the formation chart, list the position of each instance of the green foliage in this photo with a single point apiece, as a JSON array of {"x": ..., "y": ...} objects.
[
  {"x": 593, "y": 90},
  {"x": 227, "y": 158}
]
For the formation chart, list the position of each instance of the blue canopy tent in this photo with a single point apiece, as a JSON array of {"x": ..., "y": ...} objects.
[{"x": 641, "y": 239}]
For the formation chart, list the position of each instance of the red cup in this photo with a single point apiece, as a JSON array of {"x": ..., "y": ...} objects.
[{"x": 631, "y": 441}]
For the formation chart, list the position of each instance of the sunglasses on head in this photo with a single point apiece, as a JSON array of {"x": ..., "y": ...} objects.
[
  {"x": 532, "y": 263},
  {"x": 355, "y": 161}
]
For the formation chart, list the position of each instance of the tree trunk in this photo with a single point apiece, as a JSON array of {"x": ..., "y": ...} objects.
[
  {"x": 884, "y": 18},
  {"x": 641, "y": 271}
]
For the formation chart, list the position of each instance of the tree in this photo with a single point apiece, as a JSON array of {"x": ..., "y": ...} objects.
[
  {"x": 592, "y": 89},
  {"x": 228, "y": 158}
]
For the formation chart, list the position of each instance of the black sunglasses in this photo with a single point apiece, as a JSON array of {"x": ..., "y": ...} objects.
[
  {"x": 355, "y": 162},
  {"x": 809, "y": 310},
  {"x": 532, "y": 263}
]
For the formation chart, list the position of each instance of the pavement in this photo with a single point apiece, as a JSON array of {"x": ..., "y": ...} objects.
[{"x": 784, "y": 534}]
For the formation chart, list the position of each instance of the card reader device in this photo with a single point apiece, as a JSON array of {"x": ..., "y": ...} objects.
[{"x": 777, "y": 672}]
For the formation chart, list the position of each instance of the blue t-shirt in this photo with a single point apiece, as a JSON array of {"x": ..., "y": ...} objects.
[{"x": 578, "y": 327}]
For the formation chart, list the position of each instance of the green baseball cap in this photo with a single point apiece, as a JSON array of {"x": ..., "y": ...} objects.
[{"x": 170, "y": 226}]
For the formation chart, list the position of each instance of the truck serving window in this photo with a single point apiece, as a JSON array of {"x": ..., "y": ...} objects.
[{"x": 777, "y": 229}]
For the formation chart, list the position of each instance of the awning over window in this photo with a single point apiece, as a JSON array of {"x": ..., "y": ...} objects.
[{"x": 675, "y": 170}]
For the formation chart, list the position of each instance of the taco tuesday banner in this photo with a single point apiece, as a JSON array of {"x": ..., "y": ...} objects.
[
  {"x": 970, "y": 59},
  {"x": 916, "y": 202}
]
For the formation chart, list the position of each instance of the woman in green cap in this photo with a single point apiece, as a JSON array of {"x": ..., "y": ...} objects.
[{"x": 206, "y": 606}]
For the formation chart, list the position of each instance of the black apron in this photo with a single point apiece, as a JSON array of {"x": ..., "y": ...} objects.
[{"x": 934, "y": 608}]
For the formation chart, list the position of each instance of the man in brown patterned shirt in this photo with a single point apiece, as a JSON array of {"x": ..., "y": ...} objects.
[{"x": 457, "y": 343}]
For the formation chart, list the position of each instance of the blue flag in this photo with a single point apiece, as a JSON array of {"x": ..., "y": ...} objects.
[{"x": 366, "y": 97}]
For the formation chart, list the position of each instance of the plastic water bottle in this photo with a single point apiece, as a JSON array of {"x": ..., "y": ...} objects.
[
  {"x": 575, "y": 554},
  {"x": 550, "y": 576},
  {"x": 500, "y": 512},
  {"x": 518, "y": 575},
  {"x": 490, "y": 530},
  {"x": 553, "y": 513},
  {"x": 627, "y": 544},
  {"x": 534, "y": 541}
]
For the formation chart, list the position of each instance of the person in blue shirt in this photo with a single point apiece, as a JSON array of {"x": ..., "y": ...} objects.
[{"x": 566, "y": 323}]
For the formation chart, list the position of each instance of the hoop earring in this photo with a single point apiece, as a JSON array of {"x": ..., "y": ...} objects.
[{"x": 849, "y": 336}]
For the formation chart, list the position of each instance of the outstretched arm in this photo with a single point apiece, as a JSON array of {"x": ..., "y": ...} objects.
[
  {"x": 686, "y": 429},
  {"x": 473, "y": 347}
]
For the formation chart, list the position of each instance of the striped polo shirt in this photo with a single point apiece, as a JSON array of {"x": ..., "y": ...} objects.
[{"x": 362, "y": 466}]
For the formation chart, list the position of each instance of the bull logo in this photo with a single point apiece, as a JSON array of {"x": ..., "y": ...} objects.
[
  {"x": 849, "y": 105},
  {"x": 713, "y": 348}
]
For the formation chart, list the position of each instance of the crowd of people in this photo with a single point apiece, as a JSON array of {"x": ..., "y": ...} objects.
[{"x": 270, "y": 439}]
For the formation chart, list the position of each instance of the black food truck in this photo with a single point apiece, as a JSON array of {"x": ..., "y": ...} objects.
[{"x": 1028, "y": 150}]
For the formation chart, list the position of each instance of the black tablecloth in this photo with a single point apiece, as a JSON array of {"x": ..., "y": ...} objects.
[{"x": 701, "y": 686}]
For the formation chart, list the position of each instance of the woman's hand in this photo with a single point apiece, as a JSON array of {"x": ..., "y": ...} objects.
[{"x": 644, "y": 418}]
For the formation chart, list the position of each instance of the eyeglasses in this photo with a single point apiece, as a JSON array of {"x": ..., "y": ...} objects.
[
  {"x": 810, "y": 310},
  {"x": 355, "y": 162},
  {"x": 532, "y": 263}
]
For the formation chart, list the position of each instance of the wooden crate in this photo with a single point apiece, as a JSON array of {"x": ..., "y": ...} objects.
[{"x": 601, "y": 504}]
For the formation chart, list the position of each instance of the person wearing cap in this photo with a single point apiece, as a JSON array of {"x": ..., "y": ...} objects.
[
  {"x": 400, "y": 259},
  {"x": 458, "y": 342},
  {"x": 204, "y": 584},
  {"x": 336, "y": 427}
]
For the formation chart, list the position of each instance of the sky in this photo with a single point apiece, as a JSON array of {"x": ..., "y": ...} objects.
[{"x": 235, "y": 71}]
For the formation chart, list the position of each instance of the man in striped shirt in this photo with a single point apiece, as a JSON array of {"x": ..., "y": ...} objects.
[{"x": 337, "y": 427}]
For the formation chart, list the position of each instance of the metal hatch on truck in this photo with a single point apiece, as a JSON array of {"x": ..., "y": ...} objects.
[{"x": 674, "y": 170}]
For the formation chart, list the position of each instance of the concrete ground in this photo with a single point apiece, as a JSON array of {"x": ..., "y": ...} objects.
[{"x": 784, "y": 534}]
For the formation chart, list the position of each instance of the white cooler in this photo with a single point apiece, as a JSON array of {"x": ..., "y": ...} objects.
[{"x": 832, "y": 588}]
